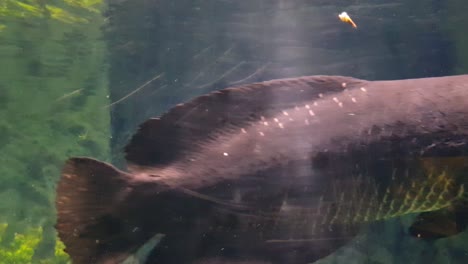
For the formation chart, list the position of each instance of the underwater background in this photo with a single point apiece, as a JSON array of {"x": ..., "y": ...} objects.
[{"x": 78, "y": 76}]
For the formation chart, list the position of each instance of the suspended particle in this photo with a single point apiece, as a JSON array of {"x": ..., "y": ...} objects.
[{"x": 344, "y": 17}]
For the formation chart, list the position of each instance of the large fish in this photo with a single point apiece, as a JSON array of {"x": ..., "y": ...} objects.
[{"x": 283, "y": 171}]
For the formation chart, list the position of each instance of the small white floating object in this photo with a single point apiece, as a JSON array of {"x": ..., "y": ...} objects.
[{"x": 347, "y": 19}]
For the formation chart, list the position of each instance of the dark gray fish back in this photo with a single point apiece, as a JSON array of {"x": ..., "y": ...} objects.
[{"x": 163, "y": 140}]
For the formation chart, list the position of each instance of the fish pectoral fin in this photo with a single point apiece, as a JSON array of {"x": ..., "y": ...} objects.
[
  {"x": 144, "y": 251},
  {"x": 444, "y": 172},
  {"x": 442, "y": 223}
]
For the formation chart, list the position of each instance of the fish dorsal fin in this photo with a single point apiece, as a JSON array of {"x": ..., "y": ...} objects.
[{"x": 161, "y": 140}]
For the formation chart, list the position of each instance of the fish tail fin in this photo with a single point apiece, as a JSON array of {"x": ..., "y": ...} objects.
[{"x": 91, "y": 212}]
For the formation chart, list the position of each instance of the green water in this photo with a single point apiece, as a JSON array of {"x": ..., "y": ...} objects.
[
  {"x": 53, "y": 85},
  {"x": 78, "y": 76}
]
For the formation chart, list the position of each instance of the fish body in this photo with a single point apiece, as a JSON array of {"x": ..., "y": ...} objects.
[{"x": 284, "y": 171}]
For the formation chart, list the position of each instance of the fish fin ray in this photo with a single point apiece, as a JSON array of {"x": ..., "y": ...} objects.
[{"x": 87, "y": 194}]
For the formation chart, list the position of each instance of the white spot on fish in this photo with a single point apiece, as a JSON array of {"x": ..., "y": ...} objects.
[
  {"x": 351, "y": 114},
  {"x": 297, "y": 108},
  {"x": 225, "y": 154},
  {"x": 290, "y": 119},
  {"x": 261, "y": 133},
  {"x": 276, "y": 120},
  {"x": 320, "y": 95},
  {"x": 307, "y": 106},
  {"x": 265, "y": 123},
  {"x": 285, "y": 206},
  {"x": 257, "y": 148},
  {"x": 335, "y": 99},
  {"x": 343, "y": 85},
  {"x": 353, "y": 99},
  {"x": 243, "y": 130},
  {"x": 340, "y": 104},
  {"x": 315, "y": 104},
  {"x": 280, "y": 125},
  {"x": 237, "y": 196},
  {"x": 285, "y": 113},
  {"x": 311, "y": 113},
  {"x": 363, "y": 89}
]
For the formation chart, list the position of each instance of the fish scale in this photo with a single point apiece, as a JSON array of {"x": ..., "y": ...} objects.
[
  {"x": 374, "y": 205},
  {"x": 297, "y": 221}
]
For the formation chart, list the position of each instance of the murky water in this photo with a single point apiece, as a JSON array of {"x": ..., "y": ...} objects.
[{"x": 78, "y": 76}]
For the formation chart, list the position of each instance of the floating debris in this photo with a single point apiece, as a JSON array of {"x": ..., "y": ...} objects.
[{"x": 347, "y": 19}]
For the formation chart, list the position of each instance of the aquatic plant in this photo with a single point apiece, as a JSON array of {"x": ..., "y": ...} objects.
[
  {"x": 67, "y": 11},
  {"x": 21, "y": 249},
  {"x": 48, "y": 51}
]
